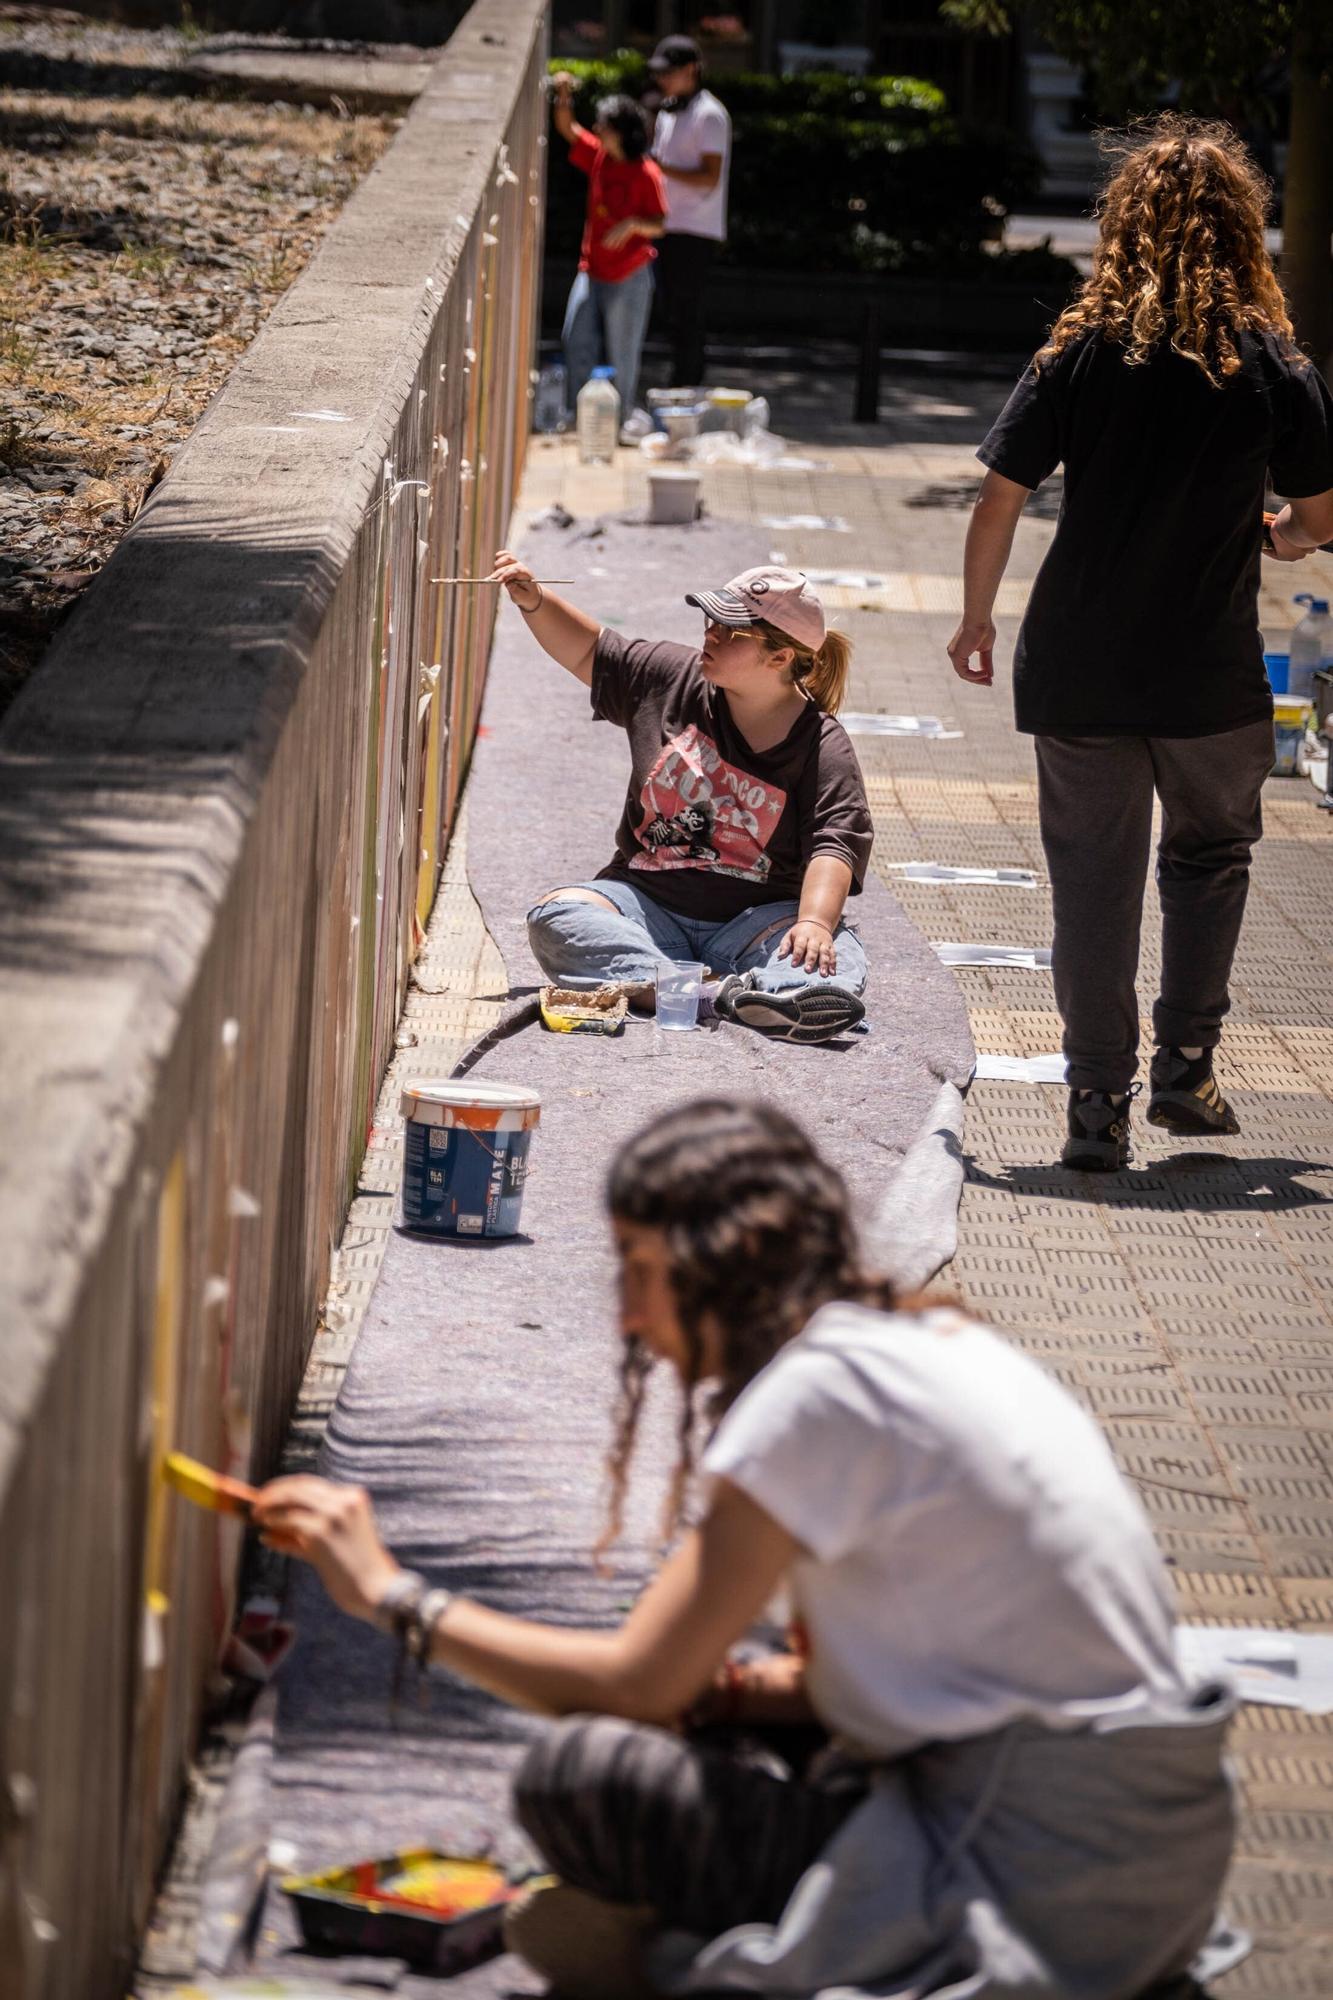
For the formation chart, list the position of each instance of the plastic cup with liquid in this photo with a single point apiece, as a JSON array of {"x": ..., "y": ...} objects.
[{"x": 678, "y": 988}]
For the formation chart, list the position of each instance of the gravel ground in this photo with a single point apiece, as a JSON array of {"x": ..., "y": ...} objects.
[{"x": 148, "y": 223}]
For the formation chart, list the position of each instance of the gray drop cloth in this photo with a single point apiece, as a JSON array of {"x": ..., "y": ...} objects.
[{"x": 476, "y": 1404}]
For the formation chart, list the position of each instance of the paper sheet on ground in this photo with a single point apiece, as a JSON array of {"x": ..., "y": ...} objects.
[
  {"x": 897, "y": 725},
  {"x": 1032, "y": 958},
  {"x": 1284, "y": 1669},
  {"x": 941, "y": 871},
  {"x": 1020, "y": 1069}
]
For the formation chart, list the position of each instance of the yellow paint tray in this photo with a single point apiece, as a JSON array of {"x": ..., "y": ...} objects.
[
  {"x": 440, "y": 1912},
  {"x": 578, "y": 1011}
]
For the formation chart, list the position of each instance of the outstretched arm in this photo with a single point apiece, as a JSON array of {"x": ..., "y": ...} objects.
[
  {"x": 560, "y": 629},
  {"x": 990, "y": 537},
  {"x": 660, "y": 1660},
  {"x": 562, "y": 111}
]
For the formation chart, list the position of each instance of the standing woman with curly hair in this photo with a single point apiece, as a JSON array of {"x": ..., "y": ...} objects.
[
  {"x": 1014, "y": 1784},
  {"x": 1170, "y": 390}
]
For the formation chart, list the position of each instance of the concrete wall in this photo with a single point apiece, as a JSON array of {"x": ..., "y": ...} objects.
[{"x": 223, "y": 805}]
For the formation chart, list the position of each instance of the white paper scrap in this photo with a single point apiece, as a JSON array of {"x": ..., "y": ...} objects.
[
  {"x": 829, "y": 524},
  {"x": 897, "y": 725},
  {"x": 321, "y": 416},
  {"x": 1020, "y": 1069},
  {"x": 845, "y": 579},
  {"x": 941, "y": 871},
  {"x": 1025, "y": 956},
  {"x": 1285, "y": 1669}
]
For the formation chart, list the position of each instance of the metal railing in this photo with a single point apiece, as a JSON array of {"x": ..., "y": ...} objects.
[{"x": 224, "y": 802}]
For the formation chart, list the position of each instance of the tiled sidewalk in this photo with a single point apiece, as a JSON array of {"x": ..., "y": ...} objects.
[{"x": 1188, "y": 1302}]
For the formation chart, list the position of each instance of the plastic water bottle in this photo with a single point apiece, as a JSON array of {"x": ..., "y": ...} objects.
[
  {"x": 598, "y": 418},
  {"x": 548, "y": 407},
  {"x": 1311, "y": 647}
]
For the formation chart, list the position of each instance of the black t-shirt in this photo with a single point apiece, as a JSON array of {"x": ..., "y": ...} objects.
[
  {"x": 712, "y": 827},
  {"x": 1143, "y": 620}
]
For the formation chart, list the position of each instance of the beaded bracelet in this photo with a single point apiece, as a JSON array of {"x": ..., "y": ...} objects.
[{"x": 409, "y": 1610}]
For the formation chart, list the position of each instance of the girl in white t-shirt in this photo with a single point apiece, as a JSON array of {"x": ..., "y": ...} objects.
[{"x": 1017, "y": 1786}]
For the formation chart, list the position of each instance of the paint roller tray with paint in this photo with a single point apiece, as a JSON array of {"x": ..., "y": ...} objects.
[
  {"x": 440, "y": 1912},
  {"x": 576, "y": 1011}
]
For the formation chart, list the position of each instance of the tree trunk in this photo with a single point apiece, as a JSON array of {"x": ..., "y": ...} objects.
[{"x": 1307, "y": 208}]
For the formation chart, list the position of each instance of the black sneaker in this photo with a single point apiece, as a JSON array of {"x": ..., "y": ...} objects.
[
  {"x": 804, "y": 1014},
  {"x": 1184, "y": 1095},
  {"x": 1098, "y": 1141}
]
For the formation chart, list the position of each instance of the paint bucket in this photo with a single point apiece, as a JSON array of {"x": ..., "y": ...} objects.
[
  {"x": 1277, "y": 666},
  {"x": 1291, "y": 717},
  {"x": 674, "y": 497},
  {"x": 730, "y": 406},
  {"x": 465, "y": 1156}
]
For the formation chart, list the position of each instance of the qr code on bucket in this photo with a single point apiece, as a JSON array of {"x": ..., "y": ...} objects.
[{"x": 471, "y": 1225}]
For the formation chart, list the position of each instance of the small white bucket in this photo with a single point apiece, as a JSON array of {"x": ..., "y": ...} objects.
[{"x": 674, "y": 496}]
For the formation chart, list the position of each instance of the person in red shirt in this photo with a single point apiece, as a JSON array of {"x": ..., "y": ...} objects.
[{"x": 607, "y": 314}]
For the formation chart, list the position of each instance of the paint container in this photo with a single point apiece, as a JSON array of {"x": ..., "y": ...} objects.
[
  {"x": 674, "y": 497},
  {"x": 730, "y": 405},
  {"x": 681, "y": 422},
  {"x": 1277, "y": 666},
  {"x": 440, "y": 1912},
  {"x": 465, "y": 1156},
  {"x": 1291, "y": 718}
]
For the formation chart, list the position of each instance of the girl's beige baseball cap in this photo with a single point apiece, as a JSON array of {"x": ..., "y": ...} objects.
[{"x": 783, "y": 598}]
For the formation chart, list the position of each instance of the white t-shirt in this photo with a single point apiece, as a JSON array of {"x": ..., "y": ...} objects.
[
  {"x": 974, "y": 1553},
  {"x": 680, "y": 139}
]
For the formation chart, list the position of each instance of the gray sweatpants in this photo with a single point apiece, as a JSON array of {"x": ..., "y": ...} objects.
[{"x": 1095, "y": 796}]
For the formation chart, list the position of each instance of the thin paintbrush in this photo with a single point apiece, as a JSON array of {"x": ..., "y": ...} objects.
[{"x": 500, "y": 579}]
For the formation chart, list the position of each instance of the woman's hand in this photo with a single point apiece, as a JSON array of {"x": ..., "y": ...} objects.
[
  {"x": 620, "y": 233},
  {"x": 518, "y": 580},
  {"x": 564, "y": 84},
  {"x": 333, "y": 1528},
  {"x": 1276, "y": 546},
  {"x": 809, "y": 943},
  {"x": 974, "y": 635},
  {"x": 770, "y": 1690}
]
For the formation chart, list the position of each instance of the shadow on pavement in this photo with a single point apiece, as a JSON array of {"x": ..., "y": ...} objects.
[{"x": 1188, "y": 1180}]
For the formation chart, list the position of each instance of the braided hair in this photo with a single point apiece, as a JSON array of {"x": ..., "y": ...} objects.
[{"x": 759, "y": 1235}]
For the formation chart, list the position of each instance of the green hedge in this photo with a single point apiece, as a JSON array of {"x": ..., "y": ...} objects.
[{"x": 835, "y": 173}]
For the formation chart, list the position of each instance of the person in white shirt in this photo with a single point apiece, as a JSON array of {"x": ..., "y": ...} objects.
[
  {"x": 1017, "y": 1784},
  {"x": 692, "y": 146}
]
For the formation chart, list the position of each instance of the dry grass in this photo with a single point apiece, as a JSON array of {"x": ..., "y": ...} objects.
[{"x": 144, "y": 238}]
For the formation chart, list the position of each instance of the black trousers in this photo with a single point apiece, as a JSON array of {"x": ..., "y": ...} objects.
[
  {"x": 1095, "y": 796},
  {"x": 709, "y": 1832},
  {"x": 683, "y": 265}
]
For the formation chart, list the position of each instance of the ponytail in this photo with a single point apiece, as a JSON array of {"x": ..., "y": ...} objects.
[
  {"x": 821, "y": 676},
  {"x": 825, "y": 680}
]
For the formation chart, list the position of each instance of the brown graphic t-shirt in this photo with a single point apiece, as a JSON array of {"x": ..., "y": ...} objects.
[{"x": 712, "y": 827}]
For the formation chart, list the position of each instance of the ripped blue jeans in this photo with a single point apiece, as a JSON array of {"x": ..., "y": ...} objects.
[{"x": 581, "y": 944}]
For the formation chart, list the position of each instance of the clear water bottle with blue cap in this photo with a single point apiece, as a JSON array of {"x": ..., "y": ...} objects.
[
  {"x": 598, "y": 417},
  {"x": 1311, "y": 646}
]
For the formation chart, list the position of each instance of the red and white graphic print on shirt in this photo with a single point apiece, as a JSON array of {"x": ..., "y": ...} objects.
[{"x": 701, "y": 812}]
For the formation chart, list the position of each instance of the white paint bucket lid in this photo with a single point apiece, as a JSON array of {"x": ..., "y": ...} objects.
[{"x": 490, "y": 1107}]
